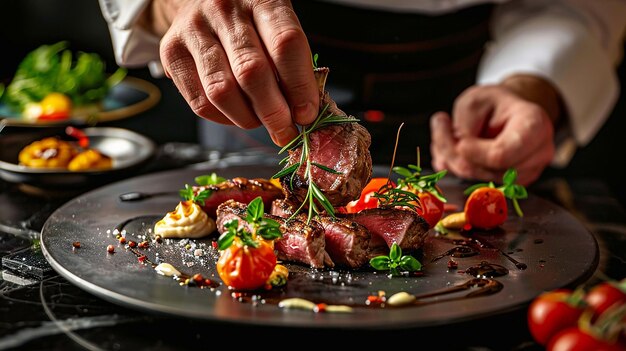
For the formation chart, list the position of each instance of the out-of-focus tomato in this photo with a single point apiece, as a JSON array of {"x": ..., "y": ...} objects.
[
  {"x": 55, "y": 106},
  {"x": 486, "y": 208},
  {"x": 554, "y": 311},
  {"x": 430, "y": 207},
  {"x": 366, "y": 200},
  {"x": 243, "y": 267},
  {"x": 576, "y": 339},
  {"x": 606, "y": 294}
]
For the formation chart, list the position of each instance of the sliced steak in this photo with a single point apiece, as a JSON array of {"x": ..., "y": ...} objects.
[
  {"x": 342, "y": 147},
  {"x": 282, "y": 208},
  {"x": 404, "y": 227},
  {"x": 239, "y": 189},
  {"x": 347, "y": 242},
  {"x": 300, "y": 242}
]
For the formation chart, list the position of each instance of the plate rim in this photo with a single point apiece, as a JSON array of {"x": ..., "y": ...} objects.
[{"x": 154, "y": 96}]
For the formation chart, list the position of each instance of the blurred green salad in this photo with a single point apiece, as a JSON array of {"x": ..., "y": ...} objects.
[{"x": 50, "y": 83}]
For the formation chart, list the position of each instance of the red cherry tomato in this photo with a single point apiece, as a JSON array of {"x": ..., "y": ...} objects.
[
  {"x": 243, "y": 267},
  {"x": 575, "y": 339},
  {"x": 431, "y": 208},
  {"x": 486, "y": 208},
  {"x": 606, "y": 294},
  {"x": 366, "y": 200},
  {"x": 552, "y": 312}
]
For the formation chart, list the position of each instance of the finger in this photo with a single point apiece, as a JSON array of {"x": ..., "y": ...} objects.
[
  {"x": 255, "y": 74},
  {"x": 289, "y": 50},
  {"x": 179, "y": 65},
  {"x": 442, "y": 141},
  {"x": 471, "y": 111},
  {"x": 197, "y": 63},
  {"x": 525, "y": 134}
]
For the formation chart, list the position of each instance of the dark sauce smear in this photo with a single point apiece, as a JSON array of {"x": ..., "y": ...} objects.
[
  {"x": 457, "y": 251},
  {"x": 481, "y": 244},
  {"x": 486, "y": 269}
]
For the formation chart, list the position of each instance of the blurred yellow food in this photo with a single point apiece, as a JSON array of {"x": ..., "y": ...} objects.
[
  {"x": 47, "y": 153},
  {"x": 90, "y": 159}
]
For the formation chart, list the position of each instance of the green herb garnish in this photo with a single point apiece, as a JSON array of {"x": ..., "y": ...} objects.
[
  {"x": 315, "y": 56},
  {"x": 509, "y": 189},
  {"x": 257, "y": 224},
  {"x": 396, "y": 263},
  {"x": 188, "y": 193},
  {"x": 314, "y": 195}
]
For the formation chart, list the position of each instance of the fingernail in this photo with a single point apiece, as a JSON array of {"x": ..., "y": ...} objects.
[
  {"x": 304, "y": 114},
  {"x": 282, "y": 137}
]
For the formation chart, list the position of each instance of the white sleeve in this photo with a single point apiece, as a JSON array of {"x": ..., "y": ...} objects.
[
  {"x": 133, "y": 46},
  {"x": 575, "y": 44}
]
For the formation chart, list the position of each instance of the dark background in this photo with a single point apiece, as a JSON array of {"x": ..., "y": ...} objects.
[{"x": 26, "y": 24}]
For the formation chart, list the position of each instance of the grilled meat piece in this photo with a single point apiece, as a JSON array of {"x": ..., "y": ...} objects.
[
  {"x": 239, "y": 189},
  {"x": 404, "y": 227},
  {"x": 347, "y": 242},
  {"x": 300, "y": 242}
]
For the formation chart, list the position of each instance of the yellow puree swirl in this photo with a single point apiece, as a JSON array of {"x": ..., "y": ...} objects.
[{"x": 188, "y": 220}]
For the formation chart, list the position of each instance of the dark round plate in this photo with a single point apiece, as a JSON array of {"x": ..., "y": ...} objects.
[
  {"x": 556, "y": 248},
  {"x": 129, "y": 151},
  {"x": 126, "y": 99}
]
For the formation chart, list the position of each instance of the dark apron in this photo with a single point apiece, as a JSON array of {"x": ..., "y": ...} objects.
[{"x": 387, "y": 68}]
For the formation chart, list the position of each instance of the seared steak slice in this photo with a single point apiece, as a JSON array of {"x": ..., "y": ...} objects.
[
  {"x": 347, "y": 242},
  {"x": 404, "y": 227},
  {"x": 343, "y": 147},
  {"x": 300, "y": 242},
  {"x": 239, "y": 189},
  {"x": 282, "y": 208}
]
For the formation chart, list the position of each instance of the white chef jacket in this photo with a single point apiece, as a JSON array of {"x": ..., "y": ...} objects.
[{"x": 574, "y": 44}]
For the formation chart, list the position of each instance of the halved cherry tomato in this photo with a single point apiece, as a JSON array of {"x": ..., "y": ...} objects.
[
  {"x": 486, "y": 208},
  {"x": 243, "y": 267},
  {"x": 606, "y": 294},
  {"x": 552, "y": 312},
  {"x": 366, "y": 200}
]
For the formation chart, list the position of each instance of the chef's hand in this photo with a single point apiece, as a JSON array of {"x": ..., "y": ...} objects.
[
  {"x": 241, "y": 62},
  {"x": 496, "y": 127}
]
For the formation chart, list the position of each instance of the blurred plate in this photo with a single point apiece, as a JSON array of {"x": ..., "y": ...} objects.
[
  {"x": 128, "y": 149},
  {"x": 128, "y": 98}
]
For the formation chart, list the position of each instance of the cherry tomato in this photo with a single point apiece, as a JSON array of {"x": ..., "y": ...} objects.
[
  {"x": 55, "y": 106},
  {"x": 553, "y": 311},
  {"x": 366, "y": 200},
  {"x": 243, "y": 267},
  {"x": 606, "y": 294},
  {"x": 575, "y": 339},
  {"x": 431, "y": 208},
  {"x": 486, "y": 208}
]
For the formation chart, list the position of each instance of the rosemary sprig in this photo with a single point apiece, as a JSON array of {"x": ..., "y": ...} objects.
[
  {"x": 413, "y": 178},
  {"x": 390, "y": 197},
  {"x": 314, "y": 195}
]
